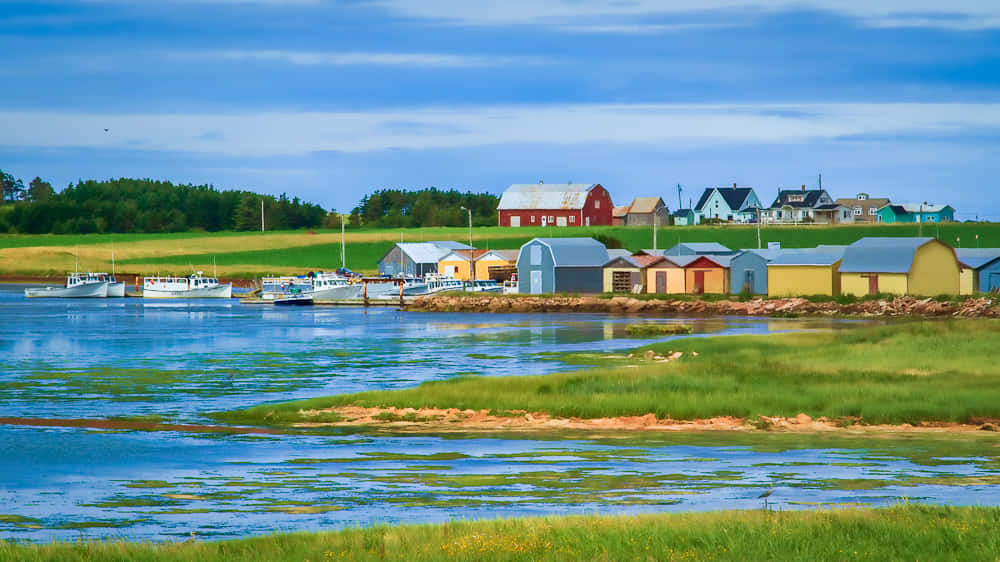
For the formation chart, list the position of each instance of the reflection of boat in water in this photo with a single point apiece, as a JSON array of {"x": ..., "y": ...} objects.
[
  {"x": 78, "y": 285},
  {"x": 193, "y": 287},
  {"x": 332, "y": 286}
]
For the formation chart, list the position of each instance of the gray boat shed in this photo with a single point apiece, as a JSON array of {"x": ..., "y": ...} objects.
[{"x": 561, "y": 265}]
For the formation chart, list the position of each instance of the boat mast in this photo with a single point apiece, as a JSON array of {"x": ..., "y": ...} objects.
[{"x": 343, "y": 245}]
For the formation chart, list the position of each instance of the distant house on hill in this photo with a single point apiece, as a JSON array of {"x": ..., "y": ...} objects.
[
  {"x": 683, "y": 217},
  {"x": 618, "y": 215},
  {"x": 864, "y": 208},
  {"x": 644, "y": 211},
  {"x": 416, "y": 258},
  {"x": 731, "y": 204},
  {"x": 561, "y": 265},
  {"x": 916, "y": 212},
  {"x": 793, "y": 206},
  {"x": 551, "y": 204}
]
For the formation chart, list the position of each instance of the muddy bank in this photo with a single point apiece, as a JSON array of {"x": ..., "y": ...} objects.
[
  {"x": 899, "y": 306},
  {"x": 438, "y": 420}
]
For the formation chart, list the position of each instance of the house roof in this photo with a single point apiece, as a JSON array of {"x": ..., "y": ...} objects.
[
  {"x": 683, "y": 213},
  {"x": 870, "y": 202},
  {"x": 679, "y": 261},
  {"x": 916, "y": 208},
  {"x": 977, "y": 257},
  {"x": 509, "y": 255},
  {"x": 644, "y": 204},
  {"x": 734, "y": 196},
  {"x": 809, "y": 199},
  {"x": 545, "y": 196},
  {"x": 830, "y": 207},
  {"x": 881, "y": 254},
  {"x": 619, "y": 212},
  {"x": 574, "y": 252},
  {"x": 807, "y": 256}
]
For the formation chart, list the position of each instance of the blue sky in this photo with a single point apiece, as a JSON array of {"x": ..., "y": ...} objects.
[{"x": 328, "y": 100}]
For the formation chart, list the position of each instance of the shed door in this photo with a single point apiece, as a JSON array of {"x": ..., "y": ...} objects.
[
  {"x": 621, "y": 281},
  {"x": 748, "y": 280},
  {"x": 699, "y": 282},
  {"x": 873, "y": 284},
  {"x": 515, "y": 221},
  {"x": 661, "y": 281},
  {"x": 560, "y": 221},
  {"x": 536, "y": 282}
]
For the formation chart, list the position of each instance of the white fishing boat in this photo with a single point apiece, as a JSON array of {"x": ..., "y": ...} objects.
[
  {"x": 193, "y": 287},
  {"x": 279, "y": 286},
  {"x": 432, "y": 284},
  {"x": 115, "y": 288},
  {"x": 483, "y": 286},
  {"x": 78, "y": 285},
  {"x": 333, "y": 286}
]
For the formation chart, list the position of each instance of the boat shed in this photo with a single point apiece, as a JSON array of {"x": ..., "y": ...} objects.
[
  {"x": 748, "y": 271},
  {"x": 627, "y": 274},
  {"x": 899, "y": 266},
  {"x": 561, "y": 265},
  {"x": 982, "y": 271},
  {"x": 416, "y": 258},
  {"x": 699, "y": 248},
  {"x": 492, "y": 262},
  {"x": 707, "y": 274},
  {"x": 457, "y": 263},
  {"x": 665, "y": 275},
  {"x": 804, "y": 272}
]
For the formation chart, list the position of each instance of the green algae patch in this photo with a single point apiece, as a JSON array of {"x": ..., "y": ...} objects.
[{"x": 657, "y": 329}]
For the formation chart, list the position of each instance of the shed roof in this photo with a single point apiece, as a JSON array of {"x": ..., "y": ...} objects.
[
  {"x": 767, "y": 254},
  {"x": 509, "y": 255},
  {"x": 702, "y": 247},
  {"x": 423, "y": 252},
  {"x": 683, "y": 213},
  {"x": 882, "y": 254},
  {"x": 546, "y": 196},
  {"x": 977, "y": 257},
  {"x": 721, "y": 261},
  {"x": 645, "y": 204},
  {"x": 809, "y": 256},
  {"x": 641, "y": 262},
  {"x": 574, "y": 252},
  {"x": 463, "y": 255},
  {"x": 618, "y": 253},
  {"x": 619, "y": 212},
  {"x": 450, "y": 244}
]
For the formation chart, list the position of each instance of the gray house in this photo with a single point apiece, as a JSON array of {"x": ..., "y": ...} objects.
[
  {"x": 416, "y": 258},
  {"x": 561, "y": 265},
  {"x": 699, "y": 248},
  {"x": 748, "y": 271}
]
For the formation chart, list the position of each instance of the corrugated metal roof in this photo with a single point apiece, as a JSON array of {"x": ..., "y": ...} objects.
[
  {"x": 575, "y": 252},
  {"x": 450, "y": 244},
  {"x": 644, "y": 204},
  {"x": 880, "y": 254},
  {"x": 545, "y": 196},
  {"x": 423, "y": 252},
  {"x": 764, "y": 253},
  {"x": 977, "y": 257},
  {"x": 809, "y": 256},
  {"x": 463, "y": 255},
  {"x": 618, "y": 253},
  {"x": 916, "y": 207},
  {"x": 701, "y": 248},
  {"x": 509, "y": 255},
  {"x": 681, "y": 261}
]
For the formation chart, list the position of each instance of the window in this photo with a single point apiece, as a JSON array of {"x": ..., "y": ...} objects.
[
  {"x": 872, "y": 211},
  {"x": 532, "y": 219},
  {"x": 862, "y": 196},
  {"x": 794, "y": 198},
  {"x": 536, "y": 255},
  {"x": 857, "y": 211},
  {"x": 572, "y": 219},
  {"x": 597, "y": 203},
  {"x": 551, "y": 219}
]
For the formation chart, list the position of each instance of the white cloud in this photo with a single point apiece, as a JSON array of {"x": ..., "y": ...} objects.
[
  {"x": 328, "y": 58},
  {"x": 286, "y": 133},
  {"x": 956, "y": 14}
]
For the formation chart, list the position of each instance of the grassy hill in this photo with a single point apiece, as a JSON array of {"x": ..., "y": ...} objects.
[{"x": 248, "y": 254}]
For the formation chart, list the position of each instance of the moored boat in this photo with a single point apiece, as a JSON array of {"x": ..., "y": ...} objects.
[
  {"x": 294, "y": 299},
  {"x": 193, "y": 287},
  {"x": 78, "y": 285},
  {"x": 483, "y": 286},
  {"x": 333, "y": 286},
  {"x": 115, "y": 288}
]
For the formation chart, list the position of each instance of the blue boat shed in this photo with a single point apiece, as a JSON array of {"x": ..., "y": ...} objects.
[
  {"x": 561, "y": 265},
  {"x": 699, "y": 249},
  {"x": 416, "y": 258},
  {"x": 748, "y": 271},
  {"x": 985, "y": 262}
]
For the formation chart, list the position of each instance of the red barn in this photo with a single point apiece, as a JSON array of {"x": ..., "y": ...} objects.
[{"x": 555, "y": 204}]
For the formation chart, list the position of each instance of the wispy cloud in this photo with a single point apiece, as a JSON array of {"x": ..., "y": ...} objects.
[
  {"x": 634, "y": 15},
  {"x": 434, "y": 128},
  {"x": 328, "y": 58}
]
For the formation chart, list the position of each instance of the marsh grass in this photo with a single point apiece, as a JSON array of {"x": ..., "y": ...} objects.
[
  {"x": 903, "y": 532},
  {"x": 897, "y": 373}
]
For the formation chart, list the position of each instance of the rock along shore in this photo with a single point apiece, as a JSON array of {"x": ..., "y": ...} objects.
[{"x": 898, "y": 306}]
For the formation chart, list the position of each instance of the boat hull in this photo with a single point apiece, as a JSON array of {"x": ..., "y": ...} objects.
[
  {"x": 217, "y": 292},
  {"x": 336, "y": 293},
  {"x": 89, "y": 290},
  {"x": 116, "y": 289},
  {"x": 298, "y": 300}
]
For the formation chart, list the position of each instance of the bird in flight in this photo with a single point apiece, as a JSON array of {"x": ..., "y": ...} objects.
[{"x": 766, "y": 494}]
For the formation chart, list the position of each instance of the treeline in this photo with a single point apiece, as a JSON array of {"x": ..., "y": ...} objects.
[
  {"x": 395, "y": 208},
  {"x": 144, "y": 205}
]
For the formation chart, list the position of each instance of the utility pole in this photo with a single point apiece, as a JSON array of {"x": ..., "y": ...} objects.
[
  {"x": 758, "y": 227},
  {"x": 655, "y": 219},
  {"x": 680, "y": 204},
  {"x": 262, "y": 214}
]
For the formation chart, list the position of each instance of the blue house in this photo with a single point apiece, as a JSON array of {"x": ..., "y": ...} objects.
[
  {"x": 698, "y": 248},
  {"x": 561, "y": 265},
  {"x": 416, "y": 258},
  {"x": 748, "y": 271},
  {"x": 916, "y": 212},
  {"x": 730, "y": 204},
  {"x": 985, "y": 266}
]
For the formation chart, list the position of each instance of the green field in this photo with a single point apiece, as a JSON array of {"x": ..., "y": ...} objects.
[
  {"x": 252, "y": 253},
  {"x": 891, "y": 374},
  {"x": 904, "y": 532}
]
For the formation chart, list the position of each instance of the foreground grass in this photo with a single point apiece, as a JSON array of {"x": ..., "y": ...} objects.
[
  {"x": 254, "y": 253},
  {"x": 891, "y": 374},
  {"x": 909, "y": 532}
]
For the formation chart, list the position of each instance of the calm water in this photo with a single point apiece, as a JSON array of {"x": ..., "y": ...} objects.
[{"x": 178, "y": 360}]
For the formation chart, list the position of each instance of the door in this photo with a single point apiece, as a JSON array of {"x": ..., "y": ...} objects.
[
  {"x": 994, "y": 283},
  {"x": 621, "y": 282},
  {"x": 699, "y": 282},
  {"x": 560, "y": 221},
  {"x": 515, "y": 221},
  {"x": 544, "y": 221},
  {"x": 536, "y": 282},
  {"x": 588, "y": 221},
  {"x": 661, "y": 282},
  {"x": 748, "y": 281},
  {"x": 873, "y": 284}
]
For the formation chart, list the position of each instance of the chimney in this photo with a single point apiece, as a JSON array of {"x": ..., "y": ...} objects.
[
  {"x": 803, "y": 187},
  {"x": 734, "y": 185}
]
